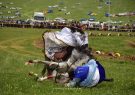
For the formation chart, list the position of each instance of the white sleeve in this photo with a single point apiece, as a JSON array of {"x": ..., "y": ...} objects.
[
  {"x": 81, "y": 39},
  {"x": 86, "y": 38}
]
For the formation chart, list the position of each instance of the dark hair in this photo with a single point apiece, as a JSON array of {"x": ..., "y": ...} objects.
[{"x": 76, "y": 28}]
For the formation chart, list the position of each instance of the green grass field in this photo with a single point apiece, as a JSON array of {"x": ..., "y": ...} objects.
[
  {"x": 78, "y": 11},
  {"x": 17, "y": 46}
]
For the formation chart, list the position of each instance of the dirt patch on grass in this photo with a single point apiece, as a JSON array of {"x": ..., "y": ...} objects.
[
  {"x": 112, "y": 56},
  {"x": 129, "y": 58},
  {"x": 131, "y": 44},
  {"x": 38, "y": 43}
]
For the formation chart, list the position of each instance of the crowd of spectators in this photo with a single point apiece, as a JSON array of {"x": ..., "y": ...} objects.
[{"x": 59, "y": 25}]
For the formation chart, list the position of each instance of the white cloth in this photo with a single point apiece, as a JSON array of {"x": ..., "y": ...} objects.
[
  {"x": 66, "y": 36},
  {"x": 81, "y": 39},
  {"x": 72, "y": 39},
  {"x": 52, "y": 37},
  {"x": 93, "y": 75},
  {"x": 55, "y": 40},
  {"x": 95, "y": 78},
  {"x": 52, "y": 44}
]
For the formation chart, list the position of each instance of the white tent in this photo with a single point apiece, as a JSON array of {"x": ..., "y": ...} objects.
[{"x": 39, "y": 16}]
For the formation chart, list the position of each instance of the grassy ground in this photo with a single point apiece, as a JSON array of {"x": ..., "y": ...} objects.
[
  {"x": 78, "y": 11},
  {"x": 17, "y": 47}
]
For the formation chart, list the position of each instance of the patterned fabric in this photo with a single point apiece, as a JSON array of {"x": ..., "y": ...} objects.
[
  {"x": 56, "y": 41},
  {"x": 81, "y": 72},
  {"x": 66, "y": 36},
  {"x": 88, "y": 75},
  {"x": 53, "y": 46},
  {"x": 92, "y": 69}
]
